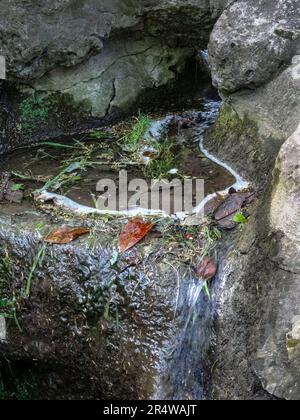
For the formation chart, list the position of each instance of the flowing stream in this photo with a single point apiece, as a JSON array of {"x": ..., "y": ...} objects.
[{"x": 186, "y": 378}]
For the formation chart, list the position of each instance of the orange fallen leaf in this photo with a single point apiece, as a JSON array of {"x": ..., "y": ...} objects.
[
  {"x": 65, "y": 235},
  {"x": 207, "y": 269},
  {"x": 133, "y": 233}
]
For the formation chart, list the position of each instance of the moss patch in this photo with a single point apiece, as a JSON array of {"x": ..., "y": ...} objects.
[
  {"x": 229, "y": 123},
  {"x": 292, "y": 343},
  {"x": 65, "y": 111},
  {"x": 33, "y": 111},
  {"x": 236, "y": 139},
  {"x": 38, "y": 114}
]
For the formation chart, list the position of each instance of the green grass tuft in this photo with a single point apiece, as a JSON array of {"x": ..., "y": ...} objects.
[{"x": 139, "y": 127}]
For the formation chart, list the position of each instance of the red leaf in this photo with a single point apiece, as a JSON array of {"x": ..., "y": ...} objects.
[
  {"x": 65, "y": 235},
  {"x": 133, "y": 233},
  {"x": 207, "y": 269}
]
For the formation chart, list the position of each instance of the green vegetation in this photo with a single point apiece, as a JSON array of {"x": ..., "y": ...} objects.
[
  {"x": 40, "y": 226},
  {"x": 60, "y": 108},
  {"x": 100, "y": 135},
  {"x": 135, "y": 132},
  {"x": 211, "y": 236},
  {"x": 240, "y": 218},
  {"x": 292, "y": 343},
  {"x": 130, "y": 139},
  {"x": 36, "y": 262},
  {"x": 229, "y": 123},
  {"x": 10, "y": 300},
  {"x": 71, "y": 167},
  {"x": 22, "y": 391},
  {"x": 17, "y": 187},
  {"x": 34, "y": 111},
  {"x": 165, "y": 161}
]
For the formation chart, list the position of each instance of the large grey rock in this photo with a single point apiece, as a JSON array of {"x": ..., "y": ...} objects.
[
  {"x": 116, "y": 77},
  {"x": 254, "y": 124},
  {"x": 255, "y": 45},
  {"x": 257, "y": 295},
  {"x": 105, "y": 52},
  {"x": 285, "y": 214},
  {"x": 252, "y": 41},
  {"x": 38, "y": 36},
  {"x": 278, "y": 357},
  {"x": 274, "y": 107}
]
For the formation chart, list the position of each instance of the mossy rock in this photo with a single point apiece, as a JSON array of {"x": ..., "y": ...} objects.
[
  {"x": 236, "y": 139},
  {"x": 230, "y": 123}
]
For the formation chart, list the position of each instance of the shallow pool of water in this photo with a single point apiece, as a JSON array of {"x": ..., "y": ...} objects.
[{"x": 102, "y": 159}]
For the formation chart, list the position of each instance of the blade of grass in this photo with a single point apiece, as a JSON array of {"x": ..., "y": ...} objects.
[
  {"x": 38, "y": 260},
  {"x": 21, "y": 176},
  {"x": 206, "y": 289},
  {"x": 58, "y": 145},
  {"x": 17, "y": 321}
]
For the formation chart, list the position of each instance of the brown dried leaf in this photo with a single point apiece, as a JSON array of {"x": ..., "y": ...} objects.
[
  {"x": 207, "y": 269},
  {"x": 224, "y": 214},
  {"x": 133, "y": 233},
  {"x": 65, "y": 235},
  {"x": 212, "y": 205},
  {"x": 232, "y": 204}
]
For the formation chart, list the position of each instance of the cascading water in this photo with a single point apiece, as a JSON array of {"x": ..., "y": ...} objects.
[{"x": 187, "y": 377}]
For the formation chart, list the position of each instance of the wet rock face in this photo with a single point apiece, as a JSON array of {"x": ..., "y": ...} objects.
[
  {"x": 106, "y": 52},
  {"x": 252, "y": 41},
  {"x": 109, "y": 327},
  {"x": 257, "y": 295}
]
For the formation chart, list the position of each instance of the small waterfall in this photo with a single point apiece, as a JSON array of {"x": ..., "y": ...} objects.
[
  {"x": 193, "y": 295},
  {"x": 186, "y": 377}
]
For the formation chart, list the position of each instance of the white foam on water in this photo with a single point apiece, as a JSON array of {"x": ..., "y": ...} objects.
[{"x": 240, "y": 183}]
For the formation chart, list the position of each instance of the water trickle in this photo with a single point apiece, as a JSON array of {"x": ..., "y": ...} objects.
[{"x": 193, "y": 295}]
